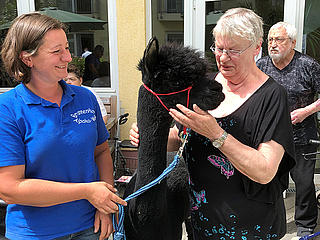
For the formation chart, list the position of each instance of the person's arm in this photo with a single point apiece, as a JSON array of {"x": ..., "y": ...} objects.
[
  {"x": 101, "y": 106},
  {"x": 298, "y": 115},
  {"x": 93, "y": 69},
  {"x": 104, "y": 162},
  {"x": 15, "y": 188},
  {"x": 260, "y": 164},
  {"x": 173, "y": 138}
]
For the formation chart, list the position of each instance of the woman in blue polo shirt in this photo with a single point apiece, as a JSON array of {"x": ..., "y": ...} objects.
[{"x": 55, "y": 164}]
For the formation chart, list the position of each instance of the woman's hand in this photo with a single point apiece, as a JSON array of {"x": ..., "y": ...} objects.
[
  {"x": 134, "y": 135},
  {"x": 102, "y": 196},
  {"x": 104, "y": 223},
  {"x": 198, "y": 120}
]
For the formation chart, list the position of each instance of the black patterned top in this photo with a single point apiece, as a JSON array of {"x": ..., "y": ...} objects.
[
  {"x": 301, "y": 79},
  {"x": 225, "y": 204}
]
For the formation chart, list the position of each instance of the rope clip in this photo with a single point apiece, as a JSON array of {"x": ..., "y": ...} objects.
[{"x": 184, "y": 138}]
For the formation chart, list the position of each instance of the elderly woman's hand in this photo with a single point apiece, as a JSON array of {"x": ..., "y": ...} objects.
[
  {"x": 134, "y": 135},
  {"x": 198, "y": 120}
]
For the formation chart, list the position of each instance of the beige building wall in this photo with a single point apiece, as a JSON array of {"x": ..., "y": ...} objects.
[{"x": 131, "y": 27}]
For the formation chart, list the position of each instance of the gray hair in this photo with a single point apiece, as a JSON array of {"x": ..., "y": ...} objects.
[
  {"x": 240, "y": 22},
  {"x": 290, "y": 29}
]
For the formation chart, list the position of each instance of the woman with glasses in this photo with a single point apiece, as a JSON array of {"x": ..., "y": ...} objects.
[{"x": 239, "y": 154}]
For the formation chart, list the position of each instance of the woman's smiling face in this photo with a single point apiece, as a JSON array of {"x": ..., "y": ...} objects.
[{"x": 51, "y": 60}]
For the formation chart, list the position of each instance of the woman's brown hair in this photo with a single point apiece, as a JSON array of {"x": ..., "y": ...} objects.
[{"x": 25, "y": 34}]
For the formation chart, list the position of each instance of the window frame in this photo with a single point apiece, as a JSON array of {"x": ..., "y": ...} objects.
[
  {"x": 26, "y": 6},
  {"x": 173, "y": 33},
  {"x": 193, "y": 16}
]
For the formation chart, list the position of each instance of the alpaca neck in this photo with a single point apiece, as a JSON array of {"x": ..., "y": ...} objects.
[{"x": 154, "y": 124}]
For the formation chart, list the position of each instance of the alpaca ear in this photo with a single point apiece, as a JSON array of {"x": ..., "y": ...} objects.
[{"x": 150, "y": 57}]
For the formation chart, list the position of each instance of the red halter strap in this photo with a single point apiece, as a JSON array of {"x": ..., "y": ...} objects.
[
  {"x": 166, "y": 94},
  {"x": 172, "y": 93}
]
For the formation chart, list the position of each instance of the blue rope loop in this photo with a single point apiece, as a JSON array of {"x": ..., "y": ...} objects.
[{"x": 119, "y": 233}]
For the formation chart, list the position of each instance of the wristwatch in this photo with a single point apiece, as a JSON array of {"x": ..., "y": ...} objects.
[{"x": 217, "y": 143}]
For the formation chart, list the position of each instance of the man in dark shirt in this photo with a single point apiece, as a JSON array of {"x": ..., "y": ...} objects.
[
  {"x": 91, "y": 65},
  {"x": 300, "y": 75}
]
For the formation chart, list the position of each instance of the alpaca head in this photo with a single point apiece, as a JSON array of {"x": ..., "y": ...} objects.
[{"x": 173, "y": 67}]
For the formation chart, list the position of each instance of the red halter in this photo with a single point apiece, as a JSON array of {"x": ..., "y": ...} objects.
[
  {"x": 172, "y": 93},
  {"x": 166, "y": 94}
]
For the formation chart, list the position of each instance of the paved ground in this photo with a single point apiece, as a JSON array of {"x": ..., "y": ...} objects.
[{"x": 291, "y": 227}]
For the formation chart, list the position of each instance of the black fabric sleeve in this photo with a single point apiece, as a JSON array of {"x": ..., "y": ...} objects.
[{"x": 272, "y": 123}]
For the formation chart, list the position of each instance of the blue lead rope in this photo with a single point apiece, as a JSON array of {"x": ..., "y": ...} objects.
[
  {"x": 118, "y": 227},
  {"x": 310, "y": 236}
]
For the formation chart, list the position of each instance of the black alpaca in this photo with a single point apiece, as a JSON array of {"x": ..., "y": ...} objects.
[{"x": 158, "y": 213}]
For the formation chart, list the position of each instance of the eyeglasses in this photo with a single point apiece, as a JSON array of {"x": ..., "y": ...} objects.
[
  {"x": 230, "y": 52},
  {"x": 278, "y": 40}
]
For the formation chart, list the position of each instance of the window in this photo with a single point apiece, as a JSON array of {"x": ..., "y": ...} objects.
[
  {"x": 83, "y": 6},
  {"x": 81, "y": 34},
  {"x": 174, "y": 6},
  {"x": 311, "y": 29},
  {"x": 8, "y": 12},
  {"x": 175, "y": 37},
  {"x": 167, "y": 20},
  {"x": 270, "y": 11},
  {"x": 76, "y": 6}
]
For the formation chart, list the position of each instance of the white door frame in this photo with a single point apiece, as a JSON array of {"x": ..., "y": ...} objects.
[
  {"x": 25, "y": 6},
  {"x": 294, "y": 14},
  {"x": 194, "y": 23}
]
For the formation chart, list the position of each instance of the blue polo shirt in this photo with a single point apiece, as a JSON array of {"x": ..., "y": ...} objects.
[{"x": 54, "y": 143}]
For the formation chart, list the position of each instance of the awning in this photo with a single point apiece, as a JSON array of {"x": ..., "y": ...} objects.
[
  {"x": 5, "y": 26},
  {"x": 75, "y": 22}
]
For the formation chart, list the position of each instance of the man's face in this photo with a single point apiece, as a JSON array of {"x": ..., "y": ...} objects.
[
  {"x": 279, "y": 44},
  {"x": 100, "y": 54}
]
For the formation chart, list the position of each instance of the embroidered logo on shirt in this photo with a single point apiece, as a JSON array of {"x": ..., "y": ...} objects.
[
  {"x": 222, "y": 163},
  {"x": 88, "y": 116}
]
